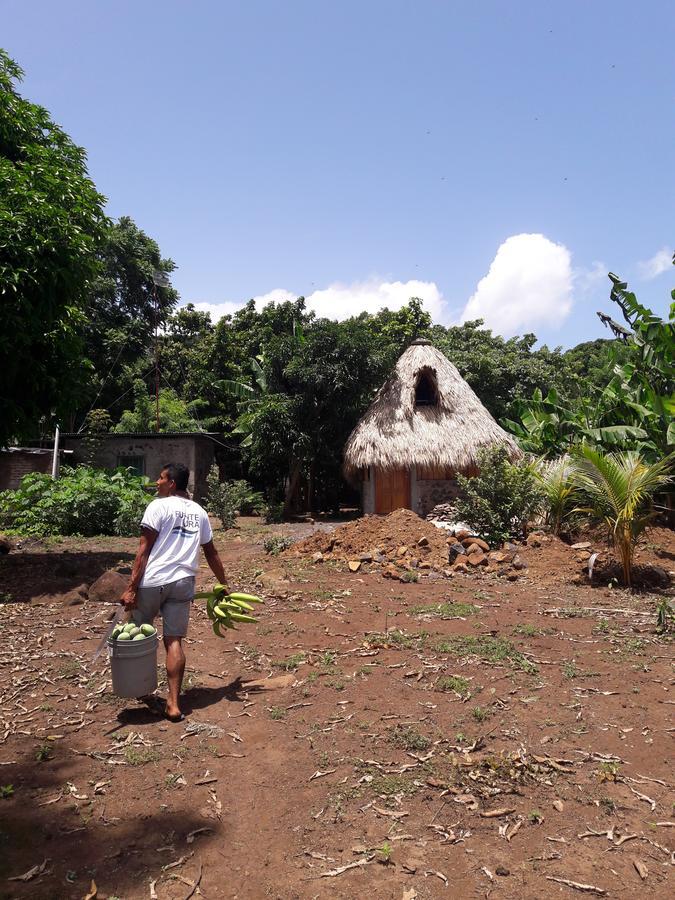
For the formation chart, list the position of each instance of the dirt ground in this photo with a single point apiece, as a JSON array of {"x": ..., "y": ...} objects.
[{"x": 446, "y": 738}]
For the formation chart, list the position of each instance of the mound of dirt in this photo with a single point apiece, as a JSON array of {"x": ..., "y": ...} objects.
[{"x": 401, "y": 538}]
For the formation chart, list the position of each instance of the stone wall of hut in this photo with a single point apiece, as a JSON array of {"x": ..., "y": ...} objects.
[{"x": 425, "y": 494}]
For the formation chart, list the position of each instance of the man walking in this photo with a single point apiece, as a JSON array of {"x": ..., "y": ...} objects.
[{"x": 164, "y": 571}]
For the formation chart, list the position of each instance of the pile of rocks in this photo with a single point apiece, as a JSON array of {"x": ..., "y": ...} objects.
[{"x": 467, "y": 552}]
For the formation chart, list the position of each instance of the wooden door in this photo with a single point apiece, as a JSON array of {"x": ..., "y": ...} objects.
[{"x": 392, "y": 490}]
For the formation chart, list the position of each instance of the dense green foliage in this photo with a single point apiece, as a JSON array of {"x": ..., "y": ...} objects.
[
  {"x": 500, "y": 501},
  {"x": 82, "y": 501},
  {"x": 51, "y": 226},
  {"x": 227, "y": 498}
]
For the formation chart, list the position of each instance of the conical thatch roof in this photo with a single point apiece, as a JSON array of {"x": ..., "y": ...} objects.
[{"x": 395, "y": 433}]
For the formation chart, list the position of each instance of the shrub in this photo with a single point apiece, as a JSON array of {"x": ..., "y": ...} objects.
[
  {"x": 277, "y": 544},
  {"x": 500, "y": 500},
  {"x": 83, "y": 501},
  {"x": 220, "y": 498},
  {"x": 246, "y": 501},
  {"x": 557, "y": 481}
]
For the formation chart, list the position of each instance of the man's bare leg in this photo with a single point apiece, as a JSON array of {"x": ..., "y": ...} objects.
[{"x": 175, "y": 668}]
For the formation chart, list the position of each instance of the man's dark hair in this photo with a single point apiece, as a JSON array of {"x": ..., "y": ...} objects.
[{"x": 179, "y": 474}]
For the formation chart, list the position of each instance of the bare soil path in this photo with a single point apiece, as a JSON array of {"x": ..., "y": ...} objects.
[{"x": 452, "y": 738}]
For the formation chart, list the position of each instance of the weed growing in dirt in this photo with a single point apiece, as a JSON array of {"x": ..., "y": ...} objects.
[
  {"x": 6, "y": 791},
  {"x": 480, "y": 713},
  {"x": 391, "y": 785},
  {"x": 277, "y": 544},
  {"x": 665, "y": 616},
  {"x": 277, "y": 713},
  {"x": 454, "y": 683},
  {"x": 408, "y": 738},
  {"x": 569, "y": 669},
  {"x": 572, "y": 612},
  {"x": 411, "y": 576},
  {"x": 44, "y": 753},
  {"x": 494, "y": 650},
  {"x": 609, "y": 771},
  {"x": 445, "y": 610},
  {"x": 291, "y": 663},
  {"x": 527, "y": 630},
  {"x": 140, "y": 756},
  {"x": 535, "y": 817},
  {"x": 385, "y": 852},
  {"x": 5, "y": 597},
  {"x": 398, "y": 640}
]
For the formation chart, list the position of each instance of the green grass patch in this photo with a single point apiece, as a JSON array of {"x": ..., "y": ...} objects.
[
  {"x": 527, "y": 630},
  {"x": 291, "y": 663},
  {"x": 494, "y": 650},
  {"x": 445, "y": 610},
  {"x": 140, "y": 756},
  {"x": 277, "y": 713},
  {"x": 454, "y": 683},
  {"x": 408, "y": 738},
  {"x": 391, "y": 785},
  {"x": 396, "y": 639}
]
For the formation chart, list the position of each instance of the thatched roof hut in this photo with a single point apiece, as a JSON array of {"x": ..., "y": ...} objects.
[{"x": 424, "y": 425}]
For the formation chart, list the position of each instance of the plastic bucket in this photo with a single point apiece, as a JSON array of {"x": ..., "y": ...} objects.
[{"x": 134, "y": 666}]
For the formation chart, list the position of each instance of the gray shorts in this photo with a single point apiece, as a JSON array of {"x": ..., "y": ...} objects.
[{"x": 172, "y": 600}]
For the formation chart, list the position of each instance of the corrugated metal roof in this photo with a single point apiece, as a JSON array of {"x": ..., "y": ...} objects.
[{"x": 145, "y": 434}]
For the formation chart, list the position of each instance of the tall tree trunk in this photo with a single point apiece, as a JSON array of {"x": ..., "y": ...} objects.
[{"x": 292, "y": 488}]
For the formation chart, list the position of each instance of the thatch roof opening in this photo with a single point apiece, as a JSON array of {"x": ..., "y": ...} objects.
[
  {"x": 426, "y": 388},
  {"x": 447, "y": 428}
]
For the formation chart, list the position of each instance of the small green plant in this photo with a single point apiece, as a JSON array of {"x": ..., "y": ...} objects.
[
  {"x": 408, "y": 738},
  {"x": 6, "y": 791},
  {"x": 602, "y": 627},
  {"x": 609, "y": 771},
  {"x": 44, "y": 753},
  {"x": 665, "y": 616},
  {"x": 454, "y": 683},
  {"x": 569, "y": 669},
  {"x": 446, "y": 610},
  {"x": 527, "y": 630},
  {"x": 6, "y": 597},
  {"x": 273, "y": 513},
  {"x": 291, "y": 663},
  {"x": 535, "y": 817},
  {"x": 277, "y": 713},
  {"x": 277, "y": 544},
  {"x": 140, "y": 756},
  {"x": 410, "y": 575},
  {"x": 385, "y": 852},
  {"x": 494, "y": 650},
  {"x": 480, "y": 713}
]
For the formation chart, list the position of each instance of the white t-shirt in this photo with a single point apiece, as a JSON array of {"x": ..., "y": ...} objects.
[{"x": 182, "y": 527}]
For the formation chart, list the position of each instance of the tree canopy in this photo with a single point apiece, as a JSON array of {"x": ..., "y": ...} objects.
[{"x": 51, "y": 228}]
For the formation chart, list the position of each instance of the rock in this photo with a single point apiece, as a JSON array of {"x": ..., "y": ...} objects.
[
  {"x": 423, "y": 542},
  {"x": 460, "y": 566},
  {"x": 76, "y": 597},
  {"x": 455, "y": 550},
  {"x": 533, "y": 540},
  {"x": 498, "y": 556},
  {"x": 452, "y": 540},
  {"x": 354, "y": 565},
  {"x": 401, "y": 551},
  {"x": 366, "y": 557},
  {"x": 317, "y": 557},
  {"x": 380, "y": 558},
  {"x": 502, "y": 870},
  {"x": 463, "y": 534},
  {"x": 559, "y": 805},
  {"x": 425, "y": 565},
  {"x": 477, "y": 558},
  {"x": 507, "y": 545},
  {"x": 109, "y": 587},
  {"x": 512, "y": 576},
  {"x": 391, "y": 571},
  {"x": 517, "y": 563},
  {"x": 476, "y": 542},
  {"x": 584, "y": 545},
  {"x": 124, "y": 570},
  {"x": 578, "y": 579},
  {"x": 448, "y": 573}
]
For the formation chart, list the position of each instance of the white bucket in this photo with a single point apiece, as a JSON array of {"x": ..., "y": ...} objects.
[{"x": 134, "y": 666}]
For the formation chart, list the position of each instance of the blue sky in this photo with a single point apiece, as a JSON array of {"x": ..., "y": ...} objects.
[{"x": 497, "y": 159}]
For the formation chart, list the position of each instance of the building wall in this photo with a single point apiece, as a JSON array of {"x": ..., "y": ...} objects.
[
  {"x": 426, "y": 494},
  {"x": 17, "y": 463},
  {"x": 151, "y": 453},
  {"x": 368, "y": 494}
]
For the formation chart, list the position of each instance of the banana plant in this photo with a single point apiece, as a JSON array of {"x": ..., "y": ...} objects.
[{"x": 249, "y": 397}]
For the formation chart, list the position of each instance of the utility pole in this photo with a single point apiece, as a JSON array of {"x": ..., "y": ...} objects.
[
  {"x": 55, "y": 455},
  {"x": 159, "y": 279}
]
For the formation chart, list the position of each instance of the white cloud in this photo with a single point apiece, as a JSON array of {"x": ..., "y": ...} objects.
[
  {"x": 529, "y": 284},
  {"x": 659, "y": 263},
  {"x": 217, "y": 310},
  {"x": 340, "y": 301},
  {"x": 586, "y": 279}
]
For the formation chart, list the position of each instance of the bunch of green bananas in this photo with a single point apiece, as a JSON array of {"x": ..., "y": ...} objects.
[{"x": 225, "y": 609}]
